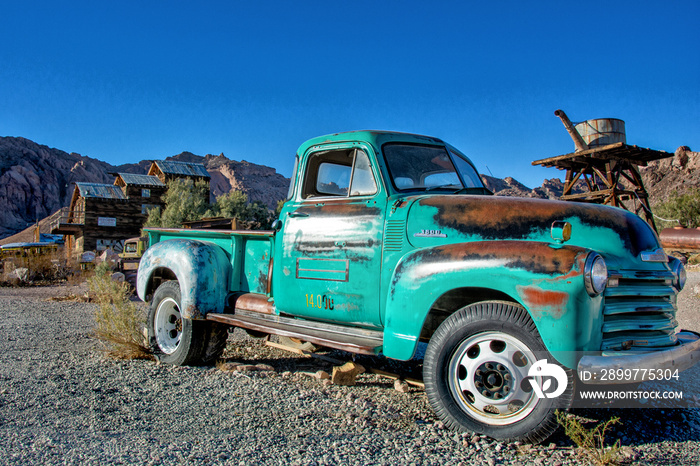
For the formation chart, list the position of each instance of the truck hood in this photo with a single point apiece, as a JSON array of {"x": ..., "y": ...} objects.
[{"x": 446, "y": 219}]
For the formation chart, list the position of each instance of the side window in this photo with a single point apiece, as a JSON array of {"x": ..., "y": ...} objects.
[
  {"x": 362, "y": 180},
  {"x": 333, "y": 179},
  {"x": 339, "y": 173}
]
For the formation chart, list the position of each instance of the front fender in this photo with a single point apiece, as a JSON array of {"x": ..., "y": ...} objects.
[
  {"x": 202, "y": 269},
  {"x": 546, "y": 279}
]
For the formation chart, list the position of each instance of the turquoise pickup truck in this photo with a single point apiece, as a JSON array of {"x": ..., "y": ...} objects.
[{"x": 387, "y": 240}]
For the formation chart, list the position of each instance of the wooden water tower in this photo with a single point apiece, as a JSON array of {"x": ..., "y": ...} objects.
[{"x": 607, "y": 164}]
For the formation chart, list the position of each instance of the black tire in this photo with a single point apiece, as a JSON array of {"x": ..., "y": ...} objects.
[
  {"x": 476, "y": 374},
  {"x": 217, "y": 337},
  {"x": 179, "y": 341}
]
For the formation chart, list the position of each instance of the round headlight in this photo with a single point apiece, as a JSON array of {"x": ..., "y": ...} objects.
[
  {"x": 595, "y": 274},
  {"x": 678, "y": 270}
]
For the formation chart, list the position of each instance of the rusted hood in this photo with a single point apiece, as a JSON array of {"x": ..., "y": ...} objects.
[{"x": 445, "y": 219}]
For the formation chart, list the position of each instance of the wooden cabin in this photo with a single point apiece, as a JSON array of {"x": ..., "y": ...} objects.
[
  {"x": 167, "y": 171},
  {"x": 145, "y": 190},
  {"x": 100, "y": 216}
]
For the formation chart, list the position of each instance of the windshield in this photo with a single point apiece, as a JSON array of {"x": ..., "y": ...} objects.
[{"x": 428, "y": 168}]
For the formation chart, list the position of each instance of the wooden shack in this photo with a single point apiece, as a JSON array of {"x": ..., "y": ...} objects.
[
  {"x": 167, "y": 171},
  {"x": 100, "y": 216},
  {"x": 145, "y": 191}
]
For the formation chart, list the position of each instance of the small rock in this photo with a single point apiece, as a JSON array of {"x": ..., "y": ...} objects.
[
  {"x": 246, "y": 368},
  {"x": 347, "y": 373},
  {"x": 20, "y": 273},
  {"x": 400, "y": 386},
  {"x": 322, "y": 375},
  {"x": 265, "y": 368},
  {"x": 228, "y": 367}
]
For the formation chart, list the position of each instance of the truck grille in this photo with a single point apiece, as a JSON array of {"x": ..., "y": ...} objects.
[{"x": 640, "y": 313}]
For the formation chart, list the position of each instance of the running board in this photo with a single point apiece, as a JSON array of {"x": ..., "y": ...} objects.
[{"x": 351, "y": 339}]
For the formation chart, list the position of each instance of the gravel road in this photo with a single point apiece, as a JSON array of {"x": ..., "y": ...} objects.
[{"x": 63, "y": 402}]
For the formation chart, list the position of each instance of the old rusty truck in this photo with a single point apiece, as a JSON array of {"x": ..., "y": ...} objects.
[{"x": 390, "y": 240}]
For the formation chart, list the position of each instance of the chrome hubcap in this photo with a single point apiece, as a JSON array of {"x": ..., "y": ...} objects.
[
  {"x": 488, "y": 377},
  {"x": 168, "y": 325}
]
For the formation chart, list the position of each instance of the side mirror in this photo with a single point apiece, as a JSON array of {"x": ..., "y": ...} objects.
[{"x": 277, "y": 225}]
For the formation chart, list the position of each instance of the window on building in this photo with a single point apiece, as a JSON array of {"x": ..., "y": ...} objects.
[{"x": 145, "y": 193}]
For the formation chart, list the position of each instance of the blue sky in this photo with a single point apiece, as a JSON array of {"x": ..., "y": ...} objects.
[{"x": 126, "y": 81}]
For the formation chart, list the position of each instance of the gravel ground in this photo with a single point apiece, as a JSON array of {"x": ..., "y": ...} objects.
[{"x": 63, "y": 402}]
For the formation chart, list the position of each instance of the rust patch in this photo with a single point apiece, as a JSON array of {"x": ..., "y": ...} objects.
[
  {"x": 541, "y": 301},
  {"x": 558, "y": 263},
  {"x": 192, "y": 312},
  {"x": 332, "y": 208},
  {"x": 493, "y": 217},
  {"x": 253, "y": 302},
  {"x": 524, "y": 255}
]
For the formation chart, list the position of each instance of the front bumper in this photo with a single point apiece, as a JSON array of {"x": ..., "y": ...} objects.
[{"x": 640, "y": 367}]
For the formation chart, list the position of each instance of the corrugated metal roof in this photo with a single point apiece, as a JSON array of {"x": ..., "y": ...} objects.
[
  {"x": 141, "y": 180},
  {"x": 182, "y": 168},
  {"x": 103, "y": 191}
]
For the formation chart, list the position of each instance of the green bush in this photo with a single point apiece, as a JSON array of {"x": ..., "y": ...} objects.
[
  {"x": 187, "y": 201},
  {"x": 683, "y": 209}
]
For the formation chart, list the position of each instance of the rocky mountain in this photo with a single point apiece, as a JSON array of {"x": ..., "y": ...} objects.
[
  {"x": 679, "y": 173},
  {"x": 36, "y": 180}
]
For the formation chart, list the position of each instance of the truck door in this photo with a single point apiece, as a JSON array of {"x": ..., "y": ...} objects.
[{"x": 330, "y": 244}]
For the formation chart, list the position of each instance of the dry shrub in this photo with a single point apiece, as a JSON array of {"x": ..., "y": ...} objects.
[
  {"x": 118, "y": 321},
  {"x": 591, "y": 441}
]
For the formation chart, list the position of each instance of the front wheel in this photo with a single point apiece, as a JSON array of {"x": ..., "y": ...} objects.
[
  {"x": 177, "y": 340},
  {"x": 484, "y": 372}
]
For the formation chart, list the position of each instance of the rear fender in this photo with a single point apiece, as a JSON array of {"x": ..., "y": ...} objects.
[
  {"x": 203, "y": 270},
  {"x": 546, "y": 279}
]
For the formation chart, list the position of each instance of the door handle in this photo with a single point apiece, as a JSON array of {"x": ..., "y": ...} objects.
[{"x": 298, "y": 214}]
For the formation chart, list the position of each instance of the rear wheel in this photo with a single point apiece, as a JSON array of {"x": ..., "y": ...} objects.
[
  {"x": 481, "y": 374},
  {"x": 177, "y": 340}
]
